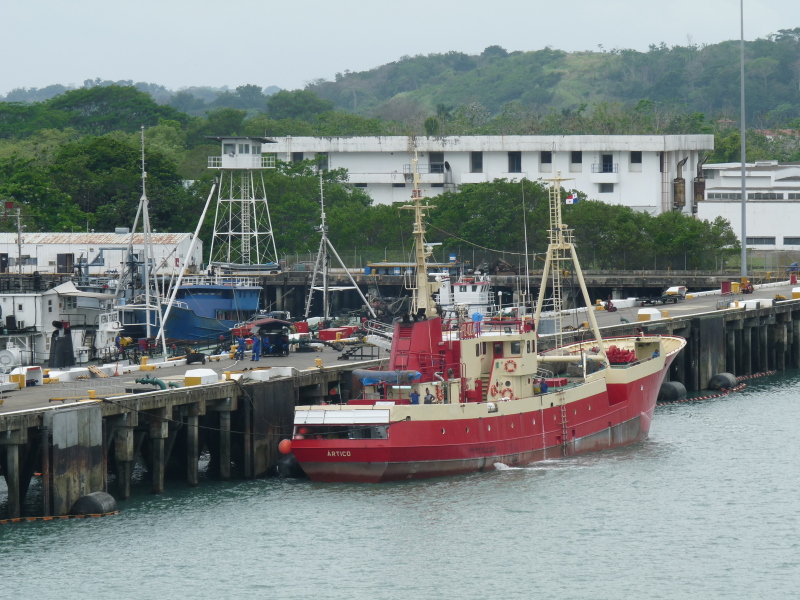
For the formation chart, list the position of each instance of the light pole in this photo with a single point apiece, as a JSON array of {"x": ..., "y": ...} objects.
[{"x": 742, "y": 124}]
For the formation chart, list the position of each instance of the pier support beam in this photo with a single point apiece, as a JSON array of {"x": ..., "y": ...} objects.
[
  {"x": 763, "y": 350},
  {"x": 47, "y": 476},
  {"x": 796, "y": 343},
  {"x": 747, "y": 350},
  {"x": 159, "y": 431},
  {"x": 192, "y": 448},
  {"x": 12, "y": 473},
  {"x": 225, "y": 444},
  {"x": 738, "y": 363},
  {"x": 123, "y": 450},
  {"x": 730, "y": 352}
]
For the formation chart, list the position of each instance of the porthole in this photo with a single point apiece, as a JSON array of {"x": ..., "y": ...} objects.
[
  {"x": 442, "y": 430},
  {"x": 508, "y": 384}
]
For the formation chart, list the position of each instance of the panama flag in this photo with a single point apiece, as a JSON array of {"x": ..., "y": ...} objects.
[{"x": 572, "y": 199}]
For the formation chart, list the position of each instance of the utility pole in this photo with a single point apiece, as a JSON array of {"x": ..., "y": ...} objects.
[{"x": 744, "y": 166}]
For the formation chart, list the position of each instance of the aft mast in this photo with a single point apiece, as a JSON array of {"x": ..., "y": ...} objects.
[
  {"x": 561, "y": 252},
  {"x": 422, "y": 302}
]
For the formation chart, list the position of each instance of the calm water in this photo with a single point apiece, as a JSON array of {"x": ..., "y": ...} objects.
[{"x": 706, "y": 508}]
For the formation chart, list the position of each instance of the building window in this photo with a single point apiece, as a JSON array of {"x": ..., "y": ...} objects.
[
  {"x": 229, "y": 148},
  {"x": 256, "y": 148},
  {"x": 636, "y": 157},
  {"x": 322, "y": 161},
  {"x": 398, "y": 185},
  {"x": 360, "y": 185},
  {"x": 433, "y": 185},
  {"x": 791, "y": 241},
  {"x": 297, "y": 157},
  {"x": 546, "y": 161},
  {"x": 576, "y": 158},
  {"x": 765, "y": 196},
  {"x": 761, "y": 241},
  {"x": 476, "y": 162},
  {"x": 709, "y": 173},
  {"x": 606, "y": 188},
  {"x": 793, "y": 196},
  {"x": 723, "y": 196},
  {"x": 244, "y": 148},
  {"x": 436, "y": 162},
  {"x": 515, "y": 162}
]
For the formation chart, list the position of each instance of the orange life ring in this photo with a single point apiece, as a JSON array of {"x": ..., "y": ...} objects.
[
  {"x": 510, "y": 366},
  {"x": 439, "y": 394},
  {"x": 507, "y": 393},
  {"x": 493, "y": 390}
]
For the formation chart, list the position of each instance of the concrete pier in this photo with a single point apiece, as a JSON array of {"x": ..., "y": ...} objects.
[{"x": 75, "y": 445}]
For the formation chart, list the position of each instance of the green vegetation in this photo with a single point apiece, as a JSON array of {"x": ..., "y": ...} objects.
[{"x": 71, "y": 157}]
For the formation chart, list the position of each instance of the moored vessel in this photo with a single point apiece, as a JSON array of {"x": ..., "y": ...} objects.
[{"x": 461, "y": 396}]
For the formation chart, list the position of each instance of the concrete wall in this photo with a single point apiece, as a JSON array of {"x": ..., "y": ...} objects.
[{"x": 778, "y": 219}]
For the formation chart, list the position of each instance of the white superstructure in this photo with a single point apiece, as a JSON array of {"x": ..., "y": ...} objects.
[{"x": 632, "y": 170}]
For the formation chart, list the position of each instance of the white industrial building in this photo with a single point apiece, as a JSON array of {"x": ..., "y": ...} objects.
[
  {"x": 633, "y": 170},
  {"x": 773, "y": 201},
  {"x": 94, "y": 253}
]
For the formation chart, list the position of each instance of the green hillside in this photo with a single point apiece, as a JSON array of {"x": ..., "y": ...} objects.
[{"x": 694, "y": 78}]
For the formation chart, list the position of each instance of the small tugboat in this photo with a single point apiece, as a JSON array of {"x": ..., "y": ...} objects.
[{"x": 461, "y": 396}]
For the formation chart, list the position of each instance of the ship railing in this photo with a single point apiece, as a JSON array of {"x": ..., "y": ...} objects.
[
  {"x": 219, "y": 280},
  {"x": 504, "y": 325},
  {"x": 378, "y": 328}
]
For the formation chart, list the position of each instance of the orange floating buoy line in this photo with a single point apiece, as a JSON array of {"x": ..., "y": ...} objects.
[{"x": 61, "y": 518}]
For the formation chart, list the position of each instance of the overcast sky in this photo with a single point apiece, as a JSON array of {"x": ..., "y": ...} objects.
[{"x": 179, "y": 43}]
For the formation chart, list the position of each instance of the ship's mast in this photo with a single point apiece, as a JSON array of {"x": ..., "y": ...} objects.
[
  {"x": 422, "y": 303},
  {"x": 321, "y": 266},
  {"x": 149, "y": 259},
  {"x": 560, "y": 253}
]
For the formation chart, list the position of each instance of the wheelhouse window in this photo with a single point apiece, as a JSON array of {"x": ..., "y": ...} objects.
[{"x": 516, "y": 348}]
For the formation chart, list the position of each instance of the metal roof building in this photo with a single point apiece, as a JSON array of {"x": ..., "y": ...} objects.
[{"x": 99, "y": 253}]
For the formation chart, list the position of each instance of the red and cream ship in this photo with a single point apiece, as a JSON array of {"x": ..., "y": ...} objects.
[{"x": 485, "y": 378}]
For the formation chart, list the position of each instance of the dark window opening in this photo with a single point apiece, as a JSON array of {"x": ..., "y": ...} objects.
[
  {"x": 577, "y": 157},
  {"x": 476, "y": 162},
  {"x": 297, "y": 157},
  {"x": 547, "y": 157},
  {"x": 636, "y": 157},
  {"x": 515, "y": 162},
  {"x": 436, "y": 162}
]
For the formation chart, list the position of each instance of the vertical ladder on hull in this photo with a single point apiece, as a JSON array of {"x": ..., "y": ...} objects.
[{"x": 564, "y": 428}]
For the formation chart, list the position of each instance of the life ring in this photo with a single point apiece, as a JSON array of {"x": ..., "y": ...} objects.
[
  {"x": 507, "y": 393},
  {"x": 510, "y": 366},
  {"x": 493, "y": 390},
  {"x": 439, "y": 394}
]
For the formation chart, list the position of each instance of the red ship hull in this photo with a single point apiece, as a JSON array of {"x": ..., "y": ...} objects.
[{"x": 618, "y": 415}]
